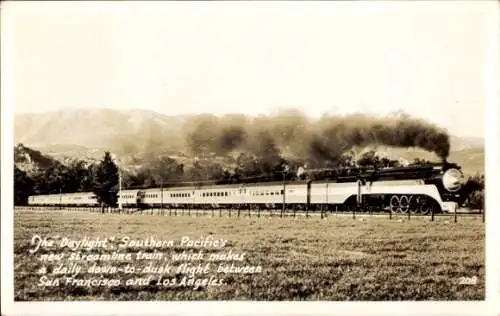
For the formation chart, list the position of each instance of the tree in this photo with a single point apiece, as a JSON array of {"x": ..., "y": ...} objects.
[
  {"x": 106, "y": 181},
  {"x": 23, "y": 187},
  {"x": 473, "y": 191}
]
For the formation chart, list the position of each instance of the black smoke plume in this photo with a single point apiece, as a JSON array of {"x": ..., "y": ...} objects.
[{"x": 320, "y": 141}]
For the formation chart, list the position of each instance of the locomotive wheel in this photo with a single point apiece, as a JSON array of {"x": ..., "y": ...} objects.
[
  {"x": 425, "y": 205},
  {"x": 413, "y": 204},
  {"x": 404, "y": 204},
  {"x": 395, "y": 204}
]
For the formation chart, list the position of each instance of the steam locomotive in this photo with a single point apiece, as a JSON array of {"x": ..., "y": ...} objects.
[{"x": 414, "y": 189}]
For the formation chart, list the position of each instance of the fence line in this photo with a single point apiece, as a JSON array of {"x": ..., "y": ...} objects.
[{"x": 250, "y": 213}]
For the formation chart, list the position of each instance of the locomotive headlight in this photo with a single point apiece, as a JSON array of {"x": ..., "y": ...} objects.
[{"x": 453, "y": 180}]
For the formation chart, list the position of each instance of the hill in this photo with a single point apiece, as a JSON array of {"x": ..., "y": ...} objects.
[
  {"x": 136, "y": 136},
  {"x": 30, "y": 160}
]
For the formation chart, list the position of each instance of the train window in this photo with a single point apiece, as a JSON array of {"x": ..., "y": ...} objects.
[
  {"x": 226, "y": 194},
  {"x": 281, "y": 192}
]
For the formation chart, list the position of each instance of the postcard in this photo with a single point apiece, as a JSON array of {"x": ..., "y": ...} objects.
[{"x": 249, "y": 157}]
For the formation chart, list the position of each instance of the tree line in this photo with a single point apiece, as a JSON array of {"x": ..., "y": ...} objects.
[
  {"x": 76, "y": 176},
  {"x": 102, "y": 177}
]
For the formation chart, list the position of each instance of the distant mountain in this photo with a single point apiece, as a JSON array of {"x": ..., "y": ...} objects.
[
  {"x": 461, "y": 143},
  {"x": 133, "y": 134},
  {"x": 73, "y": 130}
]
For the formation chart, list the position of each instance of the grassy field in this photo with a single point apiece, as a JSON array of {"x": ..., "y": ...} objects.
[{"x": 337, "y": 258}]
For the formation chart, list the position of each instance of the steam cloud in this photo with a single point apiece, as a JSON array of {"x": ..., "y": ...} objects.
[{"x": 318, "y": 141}]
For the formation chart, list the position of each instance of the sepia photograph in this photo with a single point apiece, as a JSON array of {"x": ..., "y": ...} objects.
[{"x": 246, "y": 151}]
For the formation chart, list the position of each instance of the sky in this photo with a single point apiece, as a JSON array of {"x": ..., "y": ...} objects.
[{"x": 424, "y": 58}]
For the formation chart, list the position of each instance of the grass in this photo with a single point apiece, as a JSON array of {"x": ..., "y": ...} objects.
[{"x": 337, "y": 258}]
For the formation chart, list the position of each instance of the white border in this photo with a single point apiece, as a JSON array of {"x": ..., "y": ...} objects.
[
  {"x": 492, "y": 158},
  {"x": 489, "y": 307}
]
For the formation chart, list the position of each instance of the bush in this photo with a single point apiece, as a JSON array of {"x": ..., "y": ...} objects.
[{"x": 476, "y": 200}]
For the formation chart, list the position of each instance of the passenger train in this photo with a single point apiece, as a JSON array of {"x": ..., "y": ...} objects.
[{"x": 417, "y": 190}]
